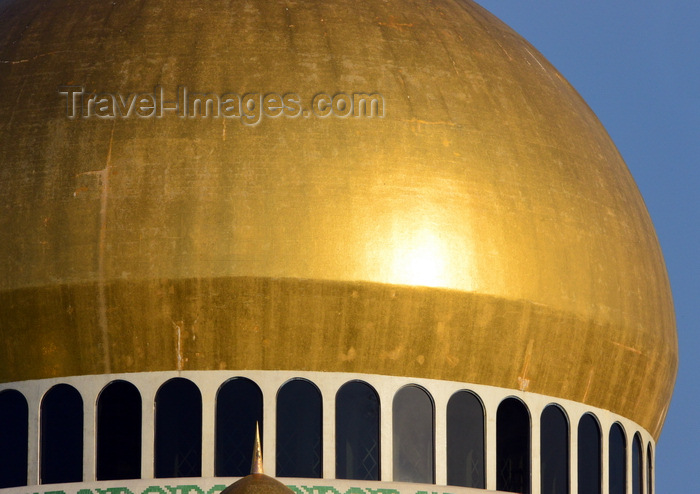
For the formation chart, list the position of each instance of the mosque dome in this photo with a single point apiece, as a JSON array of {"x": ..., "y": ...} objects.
[
  {"x": 257, "y": 482},
  {"x": 422, "y": 195}
]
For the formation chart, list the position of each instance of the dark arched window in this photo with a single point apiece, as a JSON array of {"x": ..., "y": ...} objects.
[
  {"x": 178, "y": 447},
  {"x": 14, "y": 438},
  {"x": 414, "y": 436},
  {"x": 589, "y": 455},
  {"x": 119, "y": 432},
  {"x": 617, "y": 460},
  {"x": 61, "y": 442},
  {"x": 637, "y": 474},
  {"x": 465, "y": 440},
  {"x": 650, "y": 475},
  {"x": 299, "y": 419},
  {"x": 357, "y": 432},
  {"x": 513, "y": 447},
  {"x": 554, "y": 451},
  {"x": 239, "y": 406}
]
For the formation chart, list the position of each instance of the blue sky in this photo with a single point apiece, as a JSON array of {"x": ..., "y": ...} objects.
[{"x": 637, "y": 64}]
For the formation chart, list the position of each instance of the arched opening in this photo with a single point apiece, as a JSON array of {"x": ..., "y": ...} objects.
[
  {"x": 637, "y": 474},
  {"x": 617, "y": 460},
  {"x": 513, "y": 447},
  {"x": 14, "y": 438},
  {"x": 589, "y": 455},
  {"x": 119, "y": 432},
  {"x": 239, "y": 406},
  {"x": 299, "y": 422},
  {"x": 413, "y": 436},
  {"x": 178, "y": 434},
  {"x": 554, "y": 451},
  {"x": 465, "y": 440},
  {"x": 61, "y": 444},
  {"x": 357, "y": 432}
]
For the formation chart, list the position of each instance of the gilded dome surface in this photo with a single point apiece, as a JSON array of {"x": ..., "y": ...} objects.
[
  {"x": 480, "y": 226},
  {"x": 257, "y": 483}
]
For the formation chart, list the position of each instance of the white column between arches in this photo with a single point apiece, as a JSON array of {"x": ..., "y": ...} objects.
[
  {"x": 89, "y": 433},
  {"x": 573, "y": 453},
  {"x": 208, "y": 389},
  {"x": 490, "y": 410},
  {"x": 605, "y": 456},
  {"x": 33, "y": 436},
  {"x": 269, "y": 386},
  {"x": 148, "y": 408},
  {"x": 440, "y": 445},
  {"x": 328, "y": 392},
  {"x": 535, "y": 449},
  {"x": 386, "y": 400}
]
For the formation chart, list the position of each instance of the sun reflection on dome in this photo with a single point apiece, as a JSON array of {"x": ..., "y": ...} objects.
[{"x": 420, "y": 258}]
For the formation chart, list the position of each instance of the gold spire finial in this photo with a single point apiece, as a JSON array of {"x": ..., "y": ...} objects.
[{"x": 257, "y": 465}]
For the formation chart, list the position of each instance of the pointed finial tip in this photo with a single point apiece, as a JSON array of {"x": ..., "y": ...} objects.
[{"x": 257, "y": 465}]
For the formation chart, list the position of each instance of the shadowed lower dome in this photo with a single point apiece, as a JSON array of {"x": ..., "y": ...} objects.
[{"x": 482, "y": 229}]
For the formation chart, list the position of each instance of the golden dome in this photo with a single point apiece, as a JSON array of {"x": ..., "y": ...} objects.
[
  {"x": 257, "y": 482},
  {"x": 484, "y": 229}
]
